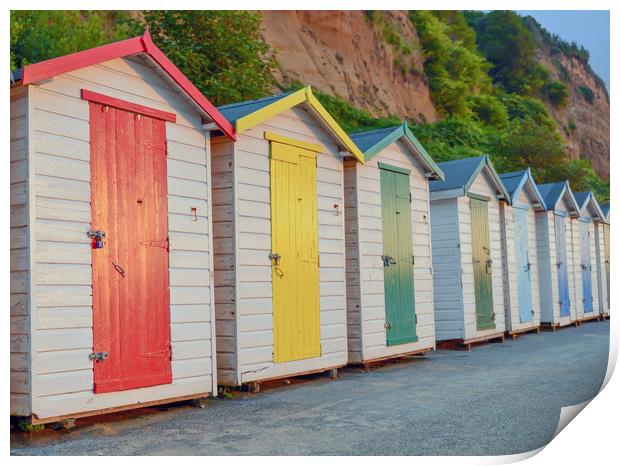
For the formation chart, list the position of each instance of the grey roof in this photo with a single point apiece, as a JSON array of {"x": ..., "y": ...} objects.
[
  {"x": 551, "y": 193},
  {"x": 233, "y": 112},
  {"x": 605, "y": 209},
  {"x": 457, "y": 173},
  {"x": 581, "y": 197},
  {"x": 367, "y": 139},
  {"x": 512, "y": 181}
]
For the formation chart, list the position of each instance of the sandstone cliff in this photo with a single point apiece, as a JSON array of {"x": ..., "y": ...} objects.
[{"x": 343, "y": 53}]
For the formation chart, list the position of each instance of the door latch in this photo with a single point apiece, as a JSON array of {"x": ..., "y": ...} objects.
[
  {"x": 387, "y": 260},
  {"x": 388, "y": 325},
  {"x": 96, "y": 237},
  {"x": 98, "y": 356},
  {"x": 274, "y": 258}
]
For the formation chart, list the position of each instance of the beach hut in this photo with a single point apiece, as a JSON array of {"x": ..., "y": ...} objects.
[
  {"x": 606, "y": 248},
  {"x": 588, "y": 262},
  {"x": 467, "y": 253},
  {"x": 388, "y": 247},
  {"x": 111, "y": 295},
  {"x": 555, "y": 255},
  {"x": 601, "y": 257},
  {"x": 279, "y": 239},
  {"x": 520, "y": 258}
]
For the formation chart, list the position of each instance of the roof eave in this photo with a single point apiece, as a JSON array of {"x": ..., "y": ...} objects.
[
  {"x": 486, "y": 161},
  {"x": 142, "y": 44}
]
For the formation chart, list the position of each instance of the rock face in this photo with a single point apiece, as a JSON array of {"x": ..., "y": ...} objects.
[
  {"x": 584, "y": 124},
  {"x": 343, "y": 53}
]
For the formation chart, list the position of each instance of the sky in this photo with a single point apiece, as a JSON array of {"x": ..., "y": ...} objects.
[{"x": 587, "y": 28}]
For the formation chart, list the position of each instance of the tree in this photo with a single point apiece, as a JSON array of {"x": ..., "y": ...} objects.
[
  {"x": 221, "y": 52},
  {"x": 40, "y": 35},
  {"x": 507, "y": 43}
]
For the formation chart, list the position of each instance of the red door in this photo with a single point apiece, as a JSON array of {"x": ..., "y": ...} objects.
[{"x": 131, "y": 296}]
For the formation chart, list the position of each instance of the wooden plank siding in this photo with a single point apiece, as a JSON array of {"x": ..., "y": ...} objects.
[
  {"x": 20, "y": 377},
  {"x": 481, "y": 186},
  {"x": 509, "y": 261},
  {"x": 365, "y": 273},
  {"x": 63, "y": 315},
  {"x": 251, "y": 352}
]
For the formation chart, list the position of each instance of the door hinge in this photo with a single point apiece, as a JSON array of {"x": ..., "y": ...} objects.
[{"x": 98, "y": 356}]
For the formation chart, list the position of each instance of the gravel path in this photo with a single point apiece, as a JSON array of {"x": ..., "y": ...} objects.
[{"x": 496, "y": 399}]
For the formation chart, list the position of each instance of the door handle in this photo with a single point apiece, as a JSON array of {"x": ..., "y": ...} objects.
[{"x": 387, "y": 260}]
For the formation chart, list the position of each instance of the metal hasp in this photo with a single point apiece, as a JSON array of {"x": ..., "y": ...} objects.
[
  {"x": 388, "y": 260},
  {"x": 274, "y": 258},
  {"x": 98, "y": 356}
]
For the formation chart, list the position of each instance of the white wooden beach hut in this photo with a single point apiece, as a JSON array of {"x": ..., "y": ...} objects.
[
  {"x": 519, "y": 251},
  {"x": 279, "y": 239},
  {"x": 467, "y": 253},
  {"x": 555, "y": 255},
  {"x": 590, "y": 264},
  {"x": 389, "y": 266},
  {"x": 111, "y": 295},
  {"x": 606, "y": 250}
]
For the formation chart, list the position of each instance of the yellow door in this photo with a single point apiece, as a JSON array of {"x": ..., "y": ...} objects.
[{"x": 295, "y": 253}]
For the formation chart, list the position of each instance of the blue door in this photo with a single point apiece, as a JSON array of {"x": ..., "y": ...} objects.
[
  {"x": 586, "y": 265},
  {"x": 560, "y": 248},
  {"x": 524, "y": 283}
]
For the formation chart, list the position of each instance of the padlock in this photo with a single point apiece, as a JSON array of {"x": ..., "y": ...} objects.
[{"x": 99, "y": 243}]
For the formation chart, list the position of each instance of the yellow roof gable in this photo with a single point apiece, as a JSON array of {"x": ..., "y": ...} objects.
[{"x": 302, "y": 95}]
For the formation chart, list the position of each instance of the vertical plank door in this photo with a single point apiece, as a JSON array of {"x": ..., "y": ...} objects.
[
  {"x": 131, "y": 297},
  {"x": 586, "y": 266},
  {"x": 481, "y": 251},
  {"x": 397, "y": 256},
  {"x": 295, "y": 253},
  {"x": 606, "y": 246},
  {"x": 524, "y": 284},
  {"x": 561, "y": 264}
]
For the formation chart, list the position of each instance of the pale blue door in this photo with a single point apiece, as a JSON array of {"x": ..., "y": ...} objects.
[
  {"x": 560, "y": 247},
  {"x": 586, "y": 266},
  {"x": 524, "y": 283}
]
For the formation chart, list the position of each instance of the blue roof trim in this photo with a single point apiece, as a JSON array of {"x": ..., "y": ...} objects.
[
  {"x": 457, "y": 173},
  {"x": 234, "y": 112},
  {"x": 583, "y": 198},
  {"x": 552, "y": 192},
  {"x": 514, "y": 182},
  {"x": 605, "y": 209},
  {"x": 460, "y": 174}
]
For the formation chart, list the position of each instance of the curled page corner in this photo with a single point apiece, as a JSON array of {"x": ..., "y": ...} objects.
[{"x": 567, "y": 414}]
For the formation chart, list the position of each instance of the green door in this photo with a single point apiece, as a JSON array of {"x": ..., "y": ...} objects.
[
  {"x": 481, "y": 251},
  {"x": 397, "y": 256}
]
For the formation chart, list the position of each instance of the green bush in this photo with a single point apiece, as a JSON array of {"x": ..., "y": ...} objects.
[
  {"x": 556, "y": 92},
  {"x": 489, "y": 109},
  {"x": 587, "y": 93}
]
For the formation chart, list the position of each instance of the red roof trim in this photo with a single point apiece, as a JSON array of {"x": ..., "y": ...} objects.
[
  {"x": 142, "y": 44},
  {"x": 125, "y": 105}
]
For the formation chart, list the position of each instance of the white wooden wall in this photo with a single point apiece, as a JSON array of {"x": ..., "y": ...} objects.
[
  {"x": 20, "y": 257},
  {"x": 252, "y": 245},
  {"x": 600, "y": 267},
  {"x": 447, "y": 284},
  {"x": 509, "y": 262},
  {"x": 62, "y": 334},
  {"x": 594, "y": 271},
  {"x": 482, "y": 186},
  {"x": 368, "y": 270}
]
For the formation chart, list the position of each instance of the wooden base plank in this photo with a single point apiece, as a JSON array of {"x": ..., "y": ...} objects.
[
  {"x": 467, "y": 343},
  {"x": 515, "y": 333},
  {"x": 34, "y": 420},
  {"x": 406, "y": 354}
]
